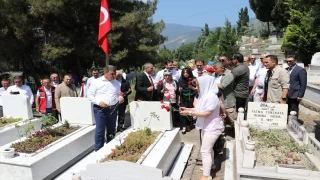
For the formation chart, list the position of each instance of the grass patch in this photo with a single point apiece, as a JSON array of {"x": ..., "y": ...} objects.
[
  {"x": 7, "y": 121},
  {"x": 134, "y": 145},
  {"x": 277, "y": 147},
  {"x": 40, "y": 139}
]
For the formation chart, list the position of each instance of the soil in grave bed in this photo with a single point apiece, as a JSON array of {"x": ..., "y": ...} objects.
[
  {"x": 133, "y": 146},
  {"x": 277, "y": 147},
  {"x": 40, "y": 139},
  {"x": 7, "y": 121}
]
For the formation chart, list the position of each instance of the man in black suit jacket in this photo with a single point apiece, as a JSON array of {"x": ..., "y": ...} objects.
[
  {"x": 145, "y": 90},
  {"x": 298, "y": 84}
]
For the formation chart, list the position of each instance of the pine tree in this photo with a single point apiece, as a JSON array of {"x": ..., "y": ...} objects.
[
  {"x": 228, "y": 40},
  {"x": 263, "y": 10}
]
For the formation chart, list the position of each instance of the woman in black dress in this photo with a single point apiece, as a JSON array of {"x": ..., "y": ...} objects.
[{"x": 187, "y": 84}]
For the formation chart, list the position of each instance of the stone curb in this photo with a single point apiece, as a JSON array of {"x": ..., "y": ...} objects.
[
  {"x": 188, "y": 172},
  {"x": 310, "y": 105}
]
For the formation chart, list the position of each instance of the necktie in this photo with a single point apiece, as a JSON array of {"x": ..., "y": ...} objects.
[
  {"x": 289, "y": 68},
  {"x": 151, "y": 81},
  {"x": 266, "y": 83}
]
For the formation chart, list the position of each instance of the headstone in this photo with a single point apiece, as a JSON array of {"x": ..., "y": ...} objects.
[
  {"x": 143, "y": 115},
  {"x": 129, "y": 170},
  {"x": 316, "y": 59},
  {"x": 314, "y": 67},
  {"x": 313, "y": 76},
  {"x": 274, "y": 40},
  {"x": 274, "y": 47},
  {"x": 255, "y": 39},
  {"x": 16, "y": 106},
  {"x": 267, "y": 115},
  {"x": 255, "y": 51},
  {"x": 77, "y": 110},
  {"x": 242, "y": 48}
]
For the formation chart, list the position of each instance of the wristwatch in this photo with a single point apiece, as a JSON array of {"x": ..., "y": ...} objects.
[{"x": 284, "y": 99}]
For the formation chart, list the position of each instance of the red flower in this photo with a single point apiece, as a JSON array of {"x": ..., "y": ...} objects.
[
  {"x": 163, "y": 106},
  {"x": 190, "y": 79},
  {"x": 121, "y": 94},
  {"x": 168, "y": 97},
  {"x": 159, "y": 83},
  {"x": 210, "y": 69},
  {"x": 167, "y": 108},
  {"x": 190, "y": 82},
  {"x": 161, "y": 101}
]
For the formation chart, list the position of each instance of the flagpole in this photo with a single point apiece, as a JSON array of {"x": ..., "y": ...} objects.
[{"x": 107, "y": 59}]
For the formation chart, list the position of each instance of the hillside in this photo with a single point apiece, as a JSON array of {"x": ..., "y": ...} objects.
[{"x": 181, "y": 34}]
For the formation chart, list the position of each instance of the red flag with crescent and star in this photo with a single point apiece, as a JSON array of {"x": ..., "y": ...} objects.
[{"x": 104, "y": 26}]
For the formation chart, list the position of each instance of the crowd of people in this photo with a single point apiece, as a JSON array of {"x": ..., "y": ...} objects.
[{"x": 206, "y": 96}]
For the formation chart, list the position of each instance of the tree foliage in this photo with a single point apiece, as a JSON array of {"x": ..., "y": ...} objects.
[
  {"x": 263, "y": 9},
  {"x": 39, "y": 37},
  {"x": 243, "y": 22},
  {"x": 228, "y": 40},
  {"x": 301, "y": 37}
]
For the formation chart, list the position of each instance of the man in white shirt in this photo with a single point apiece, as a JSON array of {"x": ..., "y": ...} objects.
[
  {"x": 104, "y": 93},
  {"x": 3, "y": 91},
  {"x": 45, "y": 98},
  {"x": 258, "y": 86},
  {"x": 95, "y": 75},
  {"x": 199, "y": 68},
  {"x": 175, "y": 73},
  {"x": 21, "y": 89},
  {"x": 55, "y": 81},
  {"x": 253, "y": 67}
]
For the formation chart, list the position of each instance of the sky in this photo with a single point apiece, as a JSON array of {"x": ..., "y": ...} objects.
[{"x": 199, "y": 12}]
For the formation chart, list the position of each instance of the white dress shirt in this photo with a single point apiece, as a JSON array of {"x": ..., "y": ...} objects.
[
  {"x": 104, "y": 90},
  {"x": 261, "y": 74},
  {"x": 23, "y": 90},
  {"x": 54, "y": 84},
  {"x": 2, "y": 92},
  {"x": 89, "y": 82},
  {"x": 253, "y": 71},
  {"x": 195, "y": 73},
  {"x": 49, "y": 97}
]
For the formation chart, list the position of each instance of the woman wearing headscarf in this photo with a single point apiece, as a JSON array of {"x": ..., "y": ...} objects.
[
  {"x": 207, "y": 111},
  {"x": 169, "y": 90},
  {"x": 187, "y": 84}
]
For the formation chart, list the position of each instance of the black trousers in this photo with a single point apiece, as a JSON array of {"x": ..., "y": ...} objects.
[
  {"x": 175, "y": 115},
  {"x": 121, "y": 114},
  {"x": 188, "y": 103},
  {"x": 241, "y": 103},
  {"x": 293, "y": 105}
]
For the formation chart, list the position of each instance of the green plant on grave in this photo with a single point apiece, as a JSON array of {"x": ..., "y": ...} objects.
[
  {"x": 49, "y": 120},
  {"x": 28, "y": 128},
  {"x": 152, "y": 115},
  {"x": 66, "y": 124},
  {"x": 6, "y": 121}
]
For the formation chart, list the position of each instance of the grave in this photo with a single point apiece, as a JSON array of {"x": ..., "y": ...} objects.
[
  {"x": 141, "y": 115},
  {"x": 267, "y": 115},
  {"x": 315, "y": 59},
  {"x": 313, "y": 89},
  {"x": 167, "y": 153},
  {"x": 77, "y": 110},
  {"x": 54, "y": 158},
  {"x": 16, "y": 106},
  {"x": 243, "y": 164}
]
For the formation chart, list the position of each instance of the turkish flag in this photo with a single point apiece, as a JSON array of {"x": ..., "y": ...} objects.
[{"x": 104, "y": 26}]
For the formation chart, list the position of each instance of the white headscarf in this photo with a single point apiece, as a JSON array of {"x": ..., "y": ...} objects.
[{"x": 207, "y": 97}]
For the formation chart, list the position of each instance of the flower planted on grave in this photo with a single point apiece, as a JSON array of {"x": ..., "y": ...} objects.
[
  {"x": 40, "y": 139},
  {"x": 7, "y": 121},
  {"x": 168, "y": 108}
]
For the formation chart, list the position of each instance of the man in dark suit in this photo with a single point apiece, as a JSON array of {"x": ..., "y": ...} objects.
[
  {"x": 132, "y": 75},
  {"x": 298, "y": 84},
  {"x": 145, "y": 90}
]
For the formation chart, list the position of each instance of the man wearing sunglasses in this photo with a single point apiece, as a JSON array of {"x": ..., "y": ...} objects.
[
  {"x": 227, "y": 64},
  {"x": 298, "y": 84},
  {"x": 21, "y": 89}
]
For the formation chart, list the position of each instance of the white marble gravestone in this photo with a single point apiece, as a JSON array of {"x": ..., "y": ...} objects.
[
  {"x": 313, "y": 76},
  {"x": 77, "y": 110},
  {"x": 267, "y": 115},
  {"x": 16, "y": 106},
  {"x": 141, "y": 115},
  {"x": 316, "y": 59}
]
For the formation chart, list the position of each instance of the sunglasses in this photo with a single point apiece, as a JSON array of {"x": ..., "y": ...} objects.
[
  {"x": 221, "y": 60},
  {"x": 289, "y": 61},
  {"x": 252, "y": 58}
]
